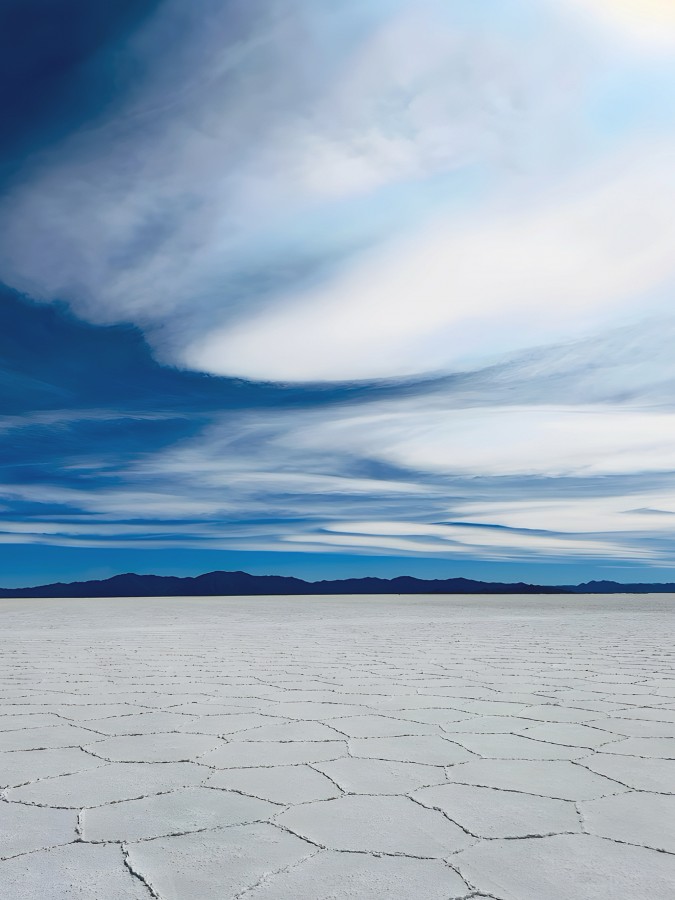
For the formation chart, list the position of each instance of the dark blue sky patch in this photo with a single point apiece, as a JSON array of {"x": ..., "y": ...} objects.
[
  {"x": 61, "y": 63},
  {"x": 59, "y": 452}
]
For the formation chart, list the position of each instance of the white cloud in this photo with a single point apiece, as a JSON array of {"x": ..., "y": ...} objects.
[
  {"x": 254, "y": 455},
  {"x": 490, "y": 543},
  {"x": 122, "y": 503},
  {"x": 422, "y": 96},
  {"x": 322, "y": 478},
  {"x": 586, "y": 258},
  {"x": 366, "y": 542},
  {"x": 502, "y": 441},
  {"x": 647, "y": 513},
  {"x": 227, "y": 177}
]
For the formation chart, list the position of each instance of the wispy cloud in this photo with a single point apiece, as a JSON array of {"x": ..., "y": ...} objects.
[
  {"x": 413, "y": 477},
  {"x": 242, "y": 171},
  {"x": 454, "y": 293},
  {"x": 510, "y": 441}
]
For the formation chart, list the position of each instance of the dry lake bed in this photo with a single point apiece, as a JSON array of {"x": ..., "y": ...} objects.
[{"x": 384, "y": 748}]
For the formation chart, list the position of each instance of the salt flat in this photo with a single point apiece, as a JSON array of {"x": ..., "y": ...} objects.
[{"x": 325, "y": 748}]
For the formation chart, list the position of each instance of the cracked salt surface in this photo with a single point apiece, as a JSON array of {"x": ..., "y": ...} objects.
[
  {"x": 551, "y": 778},
  {"x": 427, "y": 749},
  {"x": 380, "y": 776},
  {"x": 402, "y": 826},
  {"x": 485, "y": 812},
  {"x": 153, "y": 747},
  {"x": 513, "y": 746},
  {"x": 243, "y": 754},
  {"x": 332, "y": 748},
  {"x": 192, "y": 809},
  {"x": 27, "y": 828},
  {"x": 30, "y": 765},
  {"x": 640, "y": 773},
  {"x": 109, "y": 783},
  {"x": 329, "y": 876},
  {"x": 562, "y": 867},
  {"x": 286, "y": 785},
  {"x": 636, "y": 818},
  {"x": 46, "y": 737},
  {"x": 73, "y": 872},
  {"x": 212, "y": 865}
]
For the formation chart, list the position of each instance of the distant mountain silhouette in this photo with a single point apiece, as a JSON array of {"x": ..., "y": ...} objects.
[
  {"x": 615, "y": 587},
  {"x": 229, "y": 584},
  {"x": 221, "y": 584}
]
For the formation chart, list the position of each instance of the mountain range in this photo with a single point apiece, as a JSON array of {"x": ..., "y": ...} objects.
[{"x": 220, "y": 584}]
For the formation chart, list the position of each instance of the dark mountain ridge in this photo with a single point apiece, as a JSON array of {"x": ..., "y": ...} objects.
[
  {"x": 616, "y": 587},
  {"x": 224, "y": 584}
]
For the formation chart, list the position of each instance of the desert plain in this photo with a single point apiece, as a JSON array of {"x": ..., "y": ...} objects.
[{"x": 338, "y": 748}]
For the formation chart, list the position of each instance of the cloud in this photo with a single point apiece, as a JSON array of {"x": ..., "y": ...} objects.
[
  {"x": 556, "y": 453},
  {"x": 60, "y": 418},
  {"x": 554, "y": 441},
  {"x": 410, "y": 476},
  {"x": 582, "y": 515},
  {"x": 490, "y": 542},
  {"x": 591, "y": 256},
  {"x": 628, "y": 366},
  {"x": 242, "y": 172}
]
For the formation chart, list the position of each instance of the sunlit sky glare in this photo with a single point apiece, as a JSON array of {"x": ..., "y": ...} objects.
[{"x": 369, "y": 287}]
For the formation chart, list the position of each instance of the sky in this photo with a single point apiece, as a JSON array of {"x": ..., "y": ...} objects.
[{"x": 330, "y": 289}]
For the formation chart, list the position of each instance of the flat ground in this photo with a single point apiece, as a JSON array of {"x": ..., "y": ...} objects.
[{"x": 389, "y": 748}]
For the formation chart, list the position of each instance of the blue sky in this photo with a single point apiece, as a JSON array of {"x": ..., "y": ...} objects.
[{"x": 328, "y": 289}]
